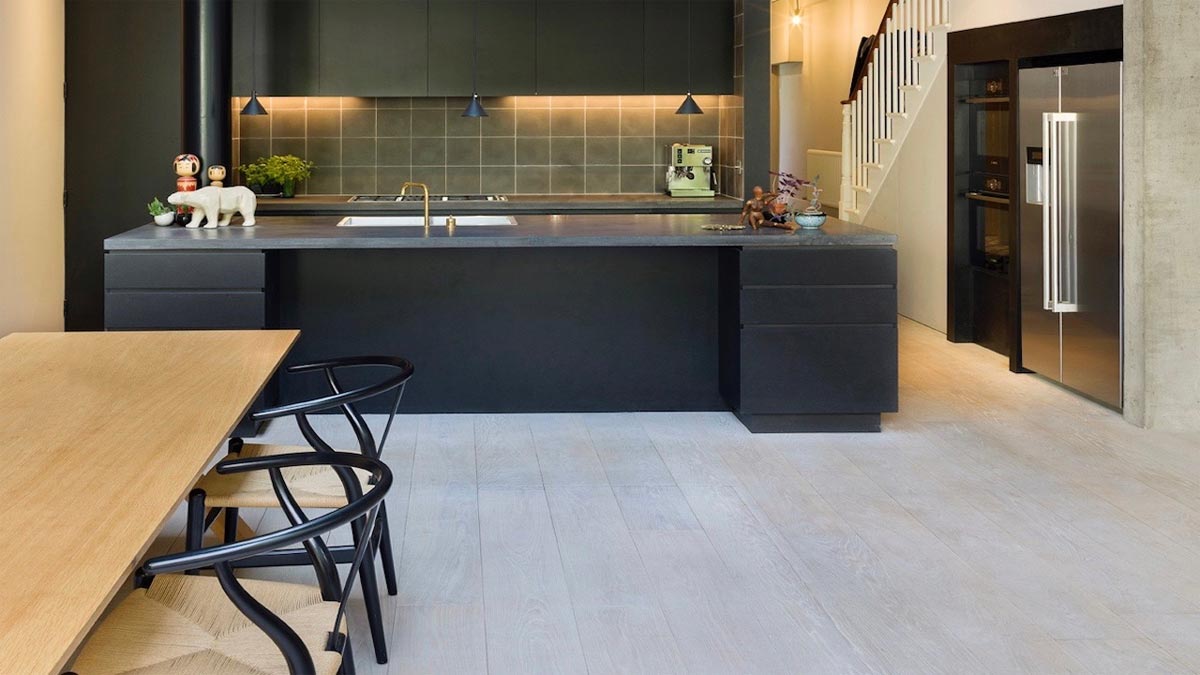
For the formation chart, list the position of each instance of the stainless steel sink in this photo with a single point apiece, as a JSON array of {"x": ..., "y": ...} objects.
[{"x": 419, "y": 221}]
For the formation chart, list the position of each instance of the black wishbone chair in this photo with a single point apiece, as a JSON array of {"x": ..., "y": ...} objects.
[
  {"x": 314, "y": 489},
  {"x": 179, "y": 623}
]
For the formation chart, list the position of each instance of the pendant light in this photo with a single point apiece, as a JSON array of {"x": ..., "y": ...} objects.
[
  {"x": 689, "y": 106},
  {"x": 254, "y": 106},
  {"x": 475, "y": 107}
]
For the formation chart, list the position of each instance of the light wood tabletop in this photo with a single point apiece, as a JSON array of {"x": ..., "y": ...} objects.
[{"x": 101, "y": 437}]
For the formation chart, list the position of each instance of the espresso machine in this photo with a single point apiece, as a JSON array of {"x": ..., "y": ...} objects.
[{"x": 690, "y": 171}]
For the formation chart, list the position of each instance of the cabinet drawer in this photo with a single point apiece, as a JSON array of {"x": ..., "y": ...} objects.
[
  {"x": 818, "y": 304},
  {"x": 185, "y": 270},
  {"x": 135, "y": 310},
  {"x": 818, "y": 266},
  {"x": 819, "y": 369}
]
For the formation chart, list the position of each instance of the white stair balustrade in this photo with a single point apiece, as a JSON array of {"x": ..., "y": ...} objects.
[{"x": 909, "y": 50}]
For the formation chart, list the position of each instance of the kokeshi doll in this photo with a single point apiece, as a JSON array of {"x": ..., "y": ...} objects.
[{"x": 216, "y": 175}]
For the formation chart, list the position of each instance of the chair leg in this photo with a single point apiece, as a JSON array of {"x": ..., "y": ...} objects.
[
  {"x": 231, "y": 525},
  {"x": 370, "y": 590},
  {"x": 385, "y": 553},
  {"x": 347, "y": 659},
  {"x": 194, "y": 535}
]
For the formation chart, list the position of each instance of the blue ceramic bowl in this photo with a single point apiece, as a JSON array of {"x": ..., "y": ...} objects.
[{"x": 810, "y": 221}]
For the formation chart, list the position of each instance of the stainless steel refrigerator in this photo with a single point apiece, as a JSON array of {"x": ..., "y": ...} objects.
[{"x": 1070, "y": 135}]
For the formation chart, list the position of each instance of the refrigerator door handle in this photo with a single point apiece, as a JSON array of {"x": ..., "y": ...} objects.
[{"x": 1059, "y": 266}]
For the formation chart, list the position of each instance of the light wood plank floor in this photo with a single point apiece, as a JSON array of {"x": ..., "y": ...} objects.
[{"x": 998, "y": 525}]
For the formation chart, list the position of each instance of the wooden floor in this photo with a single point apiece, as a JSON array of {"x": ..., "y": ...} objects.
[{"x": 998, "y": 525}]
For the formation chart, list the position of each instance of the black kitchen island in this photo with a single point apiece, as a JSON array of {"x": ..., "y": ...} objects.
[{"x": 616, "y": 312}]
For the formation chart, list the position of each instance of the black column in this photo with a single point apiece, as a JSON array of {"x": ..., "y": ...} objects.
[
  {"x": 207, "y": 81},
  {"x": 756, "y": 93}
]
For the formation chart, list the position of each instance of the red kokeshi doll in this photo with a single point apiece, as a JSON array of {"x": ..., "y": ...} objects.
[{"x": 186, "y": 167}]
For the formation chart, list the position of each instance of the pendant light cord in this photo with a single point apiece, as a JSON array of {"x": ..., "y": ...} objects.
[
  {"x": 475, "y": 51},
  {"x": 254, "y": 55},
  {"x": 689, "y": 44}
]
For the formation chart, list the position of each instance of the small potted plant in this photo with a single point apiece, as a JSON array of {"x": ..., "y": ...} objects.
[
  {"x": 254, "y": 176},
  {"x": 162, "y": 214},
  {"x": 287, "y": 170}
]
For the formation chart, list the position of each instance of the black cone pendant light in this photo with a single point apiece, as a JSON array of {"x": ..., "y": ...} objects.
[
  {"x": 475, "y": 107},
  {"x": 254, "y": 106},
  {"x": 689, "y": 105}
]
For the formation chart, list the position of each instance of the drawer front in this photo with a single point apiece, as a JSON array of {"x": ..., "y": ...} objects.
[
  {"x": 817, "y": 266},
  {"x": 184, "y": 270},
  {"x": 164, "y": 310},
  {"x": 818, "y": 304},
  {"x": 819, "y": 369}
]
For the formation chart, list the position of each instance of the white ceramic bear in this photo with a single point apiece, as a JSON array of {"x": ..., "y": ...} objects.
[{"x": 217, "y": 205}]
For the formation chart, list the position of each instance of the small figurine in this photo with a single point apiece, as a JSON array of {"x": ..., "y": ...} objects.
[
  {"x": 187, "y": 166},
  {"x": 216, "y": 175},
  {"x": 754, "y": 208},
  {"x": 217, "y": 205}
]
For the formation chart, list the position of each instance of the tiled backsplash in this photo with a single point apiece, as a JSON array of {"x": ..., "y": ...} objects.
[
  {"x": 527, "y": 145},
  {"x": 731, "y": 149}
]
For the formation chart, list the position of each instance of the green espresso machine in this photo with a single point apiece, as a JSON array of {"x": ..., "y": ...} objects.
[{"x": 690, "y": 171}]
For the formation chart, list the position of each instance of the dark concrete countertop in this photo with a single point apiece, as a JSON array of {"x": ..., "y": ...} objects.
[
  {"x": 516, "y": 204},
  {"x": 570, "y": 230}
]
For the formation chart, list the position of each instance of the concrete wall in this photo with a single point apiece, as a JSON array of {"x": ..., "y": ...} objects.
[
  {"x": 965, "y": 14},
  {"x": 31, "y": 165},
  {"x": 1162, "y": 278}
]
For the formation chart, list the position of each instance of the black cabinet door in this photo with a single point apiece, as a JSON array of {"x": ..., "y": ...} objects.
[
  {"x": 275, "y": 47},
  {"x": 590, "y": 47},
  {"x": 667, "y": 54},
  {"x": 373, "y": 47},
  {"x": 507, "y": 47}
]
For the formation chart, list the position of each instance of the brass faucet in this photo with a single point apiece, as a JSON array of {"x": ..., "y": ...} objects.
[{"x": 425, "y": 191}]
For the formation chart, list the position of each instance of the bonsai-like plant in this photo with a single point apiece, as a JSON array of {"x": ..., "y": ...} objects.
[
  {"x": 287, "y": 170},
  {"x": 157, "y": 208},
  {"x": 255, "y": 173},
  {"x": 791, "y": 191}
]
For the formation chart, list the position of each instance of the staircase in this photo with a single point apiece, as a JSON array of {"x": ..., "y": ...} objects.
[{"x": 909, "y": 50}]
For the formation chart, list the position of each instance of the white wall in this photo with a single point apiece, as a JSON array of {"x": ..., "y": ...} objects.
[
  {"x": 966, "y": 14},
  {"x": 31, "y": 165}
]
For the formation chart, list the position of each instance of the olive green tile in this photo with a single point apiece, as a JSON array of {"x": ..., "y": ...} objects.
[
  {"x": 639, "y": 150},
  {"x": 429, "y": 123},
  {"x": 567, "y": 180},
  {"x": 393, "y": 102},
  {"x": 358, "y": 102},
  {"x": 394, "y": 123},
  {"x": 603, "y": 102},
  {"x": 255, "y": 126},
  {"x": 432, "y": 176},
  {"x": 325, "y": 181},
  {"x": 533, "y": 151},
  {"x": 637, "y": 179},
  {"x": 708, "y": 124},
  {"x": 500, "y": 180},
  {"x": 603, "y": 150},
  {"x": 394, "y": 152},
  {"x": 567, "y": 122},
  {"x": 499, "y": 123},
  {"x": 430, "y": 102},
  {"x": 287, "y": 124},
  {"x": 462, "y": 152},
  {"x": 283, "y": 102},
  {"x": 359, "y": 180},
  {"x": 358, "y": 152},
  {"x": 325, "y": 151},
  {"x": 390, "y": 179},
  {"x": 251, "y": 149},
  {"x": 637, "y": 101},
  {"x": 498, "y": 103},
  {"x": 637, "y": 122},
  {"x": 462, "y": 180},
  {"x": 567, "y": 151},
  {"x": 603, "y": 179},
  {"x": 603, "y": 121},
  {"x": 457, "y": 125},
  {"x": 533, "y": 122},
  {"x": 289, "y": 146},
  {"x": 324, "y": 123},
  {"x": 669, "y": 126},
  {"x": 358, "y": 123},
  {"x": 429, "y": 151},
  {"x": 498, "y": 151},
  {"x": 533, "y": 180}
]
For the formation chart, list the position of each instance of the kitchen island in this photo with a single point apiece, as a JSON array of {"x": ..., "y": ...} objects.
[{"x": 574, "y": 312}]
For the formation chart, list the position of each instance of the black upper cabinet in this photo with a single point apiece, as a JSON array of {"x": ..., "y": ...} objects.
[
  {"x": 666, "y": 39},
  {"x": 590, "y": 46},
  {"x": 286, "y": 47},
  {"x": 507, "y": 47},
  {"x": 373, "y": 47}
]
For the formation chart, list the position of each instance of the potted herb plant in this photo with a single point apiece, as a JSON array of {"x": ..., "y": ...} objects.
[
  {"x": 287, "y": 170},
  {"x": 162, "y": 214},
  {"x": 254, "y": 176}
]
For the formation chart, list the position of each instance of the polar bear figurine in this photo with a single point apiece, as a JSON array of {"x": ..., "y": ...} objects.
[{"x": 216, "y": 205}]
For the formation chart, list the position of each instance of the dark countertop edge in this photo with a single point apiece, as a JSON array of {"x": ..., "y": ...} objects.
[
  {"x": 479, "y": 242},
  {"x": 517, "y": 205}
]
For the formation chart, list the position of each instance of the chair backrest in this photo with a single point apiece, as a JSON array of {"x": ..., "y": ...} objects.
[
  {"x": 360, "y": 512},
  {"x": 397, "y": 373}
]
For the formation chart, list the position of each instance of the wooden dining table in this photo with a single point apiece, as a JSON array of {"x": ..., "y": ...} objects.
[{"x": 102, "y": 435}]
